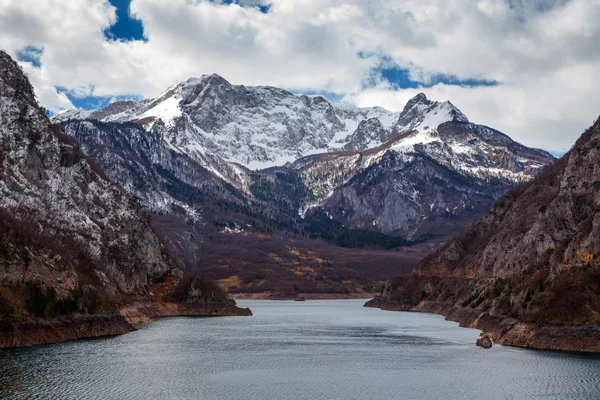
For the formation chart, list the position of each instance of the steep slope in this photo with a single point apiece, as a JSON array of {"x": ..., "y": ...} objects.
[
  {"x": 527, "y": 272},
  {"x": 72, "y": 243}
]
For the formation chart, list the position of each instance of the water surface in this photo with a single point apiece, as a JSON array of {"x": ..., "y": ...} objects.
[{"x": 333, "y": 349}]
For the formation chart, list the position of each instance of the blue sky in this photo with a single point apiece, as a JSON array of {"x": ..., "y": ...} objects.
[
  {"x": 126, "y": 28},
  {"x": 94, "y": 102}
]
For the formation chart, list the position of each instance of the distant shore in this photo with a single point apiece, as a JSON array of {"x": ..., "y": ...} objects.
[
  {"x": 504, "y": 330},
  {"x": 306, "y": 296}
]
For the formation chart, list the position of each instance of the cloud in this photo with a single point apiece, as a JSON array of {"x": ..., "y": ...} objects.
[{"x": 541, "y": 55}]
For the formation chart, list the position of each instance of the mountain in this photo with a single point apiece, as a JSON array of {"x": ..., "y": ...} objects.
[
  {"x": 230, "y": 130},
  {"x": 527, "y": 273},
  {"x": 260, "y": 127},
  {"x": 256, "y": 127},
  {"x": 75, "y": 248},
  {"x": 352, "y": 177},
  {"x": 438, "y": 174}
]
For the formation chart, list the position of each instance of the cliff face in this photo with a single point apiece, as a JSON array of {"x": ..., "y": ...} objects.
[
  {"x": 72, "y": 243},
  {"x": 528, "y": 271}
]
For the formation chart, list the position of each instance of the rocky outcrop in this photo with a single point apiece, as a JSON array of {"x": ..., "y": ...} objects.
[
  {"x": 484, "y": 341},
  {"x": 527, "y": 273}
]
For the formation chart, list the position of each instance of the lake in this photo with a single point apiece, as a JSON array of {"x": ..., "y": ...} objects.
[{"x": 332, "y": 349}]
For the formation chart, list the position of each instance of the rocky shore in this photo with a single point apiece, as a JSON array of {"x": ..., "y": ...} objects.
[
  {"x": 505, "y": 331},
  {"x": 31, "y": 333},
  {"x": 306, "y": 296},
  {"x": 142, "y": 312}
]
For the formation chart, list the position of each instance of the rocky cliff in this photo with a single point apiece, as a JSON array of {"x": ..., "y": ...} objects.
[
  {"x": 73, "y": 244},
  {"x": 528, "y": 271}
]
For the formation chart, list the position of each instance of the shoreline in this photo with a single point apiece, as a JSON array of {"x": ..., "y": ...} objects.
[
  {"x": 33, "y": 333},
  {"x": 65, "y": 329},
  {"x": 305, "y": 296},
  {"x": 504, "y": 330}
]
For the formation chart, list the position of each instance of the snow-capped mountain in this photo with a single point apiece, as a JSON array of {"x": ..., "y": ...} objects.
[
  {"x": 367, "y": 167},
  {"x": 469, "y": 149},
  {"x": 257, "y": 127},
  {"x": 260, "y": 127}
]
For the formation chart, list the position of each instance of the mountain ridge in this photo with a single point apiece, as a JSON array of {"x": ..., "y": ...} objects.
[
  {"x": 74, "y": 246},
  {"x": 527, "y": 271},
  {"x": 436, "y": 176}
]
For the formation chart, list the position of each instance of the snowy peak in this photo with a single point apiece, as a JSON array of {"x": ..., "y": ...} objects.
[
  {"x": 420, "y": 98},
  {"x": 422, "y": 114}
]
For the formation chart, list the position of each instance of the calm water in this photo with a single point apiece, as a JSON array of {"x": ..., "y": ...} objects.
[{"x": 296, "y": 350}]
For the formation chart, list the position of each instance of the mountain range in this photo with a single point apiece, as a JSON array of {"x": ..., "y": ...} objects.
[
  {"x": 214, "y": 160},
  {"x": 236, "y": 133}
]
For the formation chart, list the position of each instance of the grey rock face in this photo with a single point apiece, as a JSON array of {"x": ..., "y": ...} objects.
[
  {"x": 411, "y": 196},
  {"x": 369, "y": 132}
]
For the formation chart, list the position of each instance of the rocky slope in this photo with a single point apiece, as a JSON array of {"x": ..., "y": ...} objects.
[
  {"x": 527, "y": 272},
  {"x": 72, "y": 243}
]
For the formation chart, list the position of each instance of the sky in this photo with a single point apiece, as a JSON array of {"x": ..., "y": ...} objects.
[{"x": 526, "y": 67}]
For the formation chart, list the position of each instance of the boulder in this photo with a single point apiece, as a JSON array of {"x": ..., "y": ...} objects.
[{"x": 484, "y": 341}]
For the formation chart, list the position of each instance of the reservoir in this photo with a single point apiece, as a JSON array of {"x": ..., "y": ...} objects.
[{"x": 330, "y": 349}]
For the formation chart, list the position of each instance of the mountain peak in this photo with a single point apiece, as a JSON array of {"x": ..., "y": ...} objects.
[
  {"x": 419, "y": 98},
  {"x": 215, "y": 79},
  {"x": 207, "y": 80},
  {"x": 12, "y": 75}
]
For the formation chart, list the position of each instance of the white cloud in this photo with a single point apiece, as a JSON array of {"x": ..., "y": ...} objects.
[{"x": 545, "y": 54}]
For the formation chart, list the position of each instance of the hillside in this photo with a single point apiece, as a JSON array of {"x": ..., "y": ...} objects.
[
  {"x": 527, "y": 272},
  {"x": 73, "y": 245}
]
